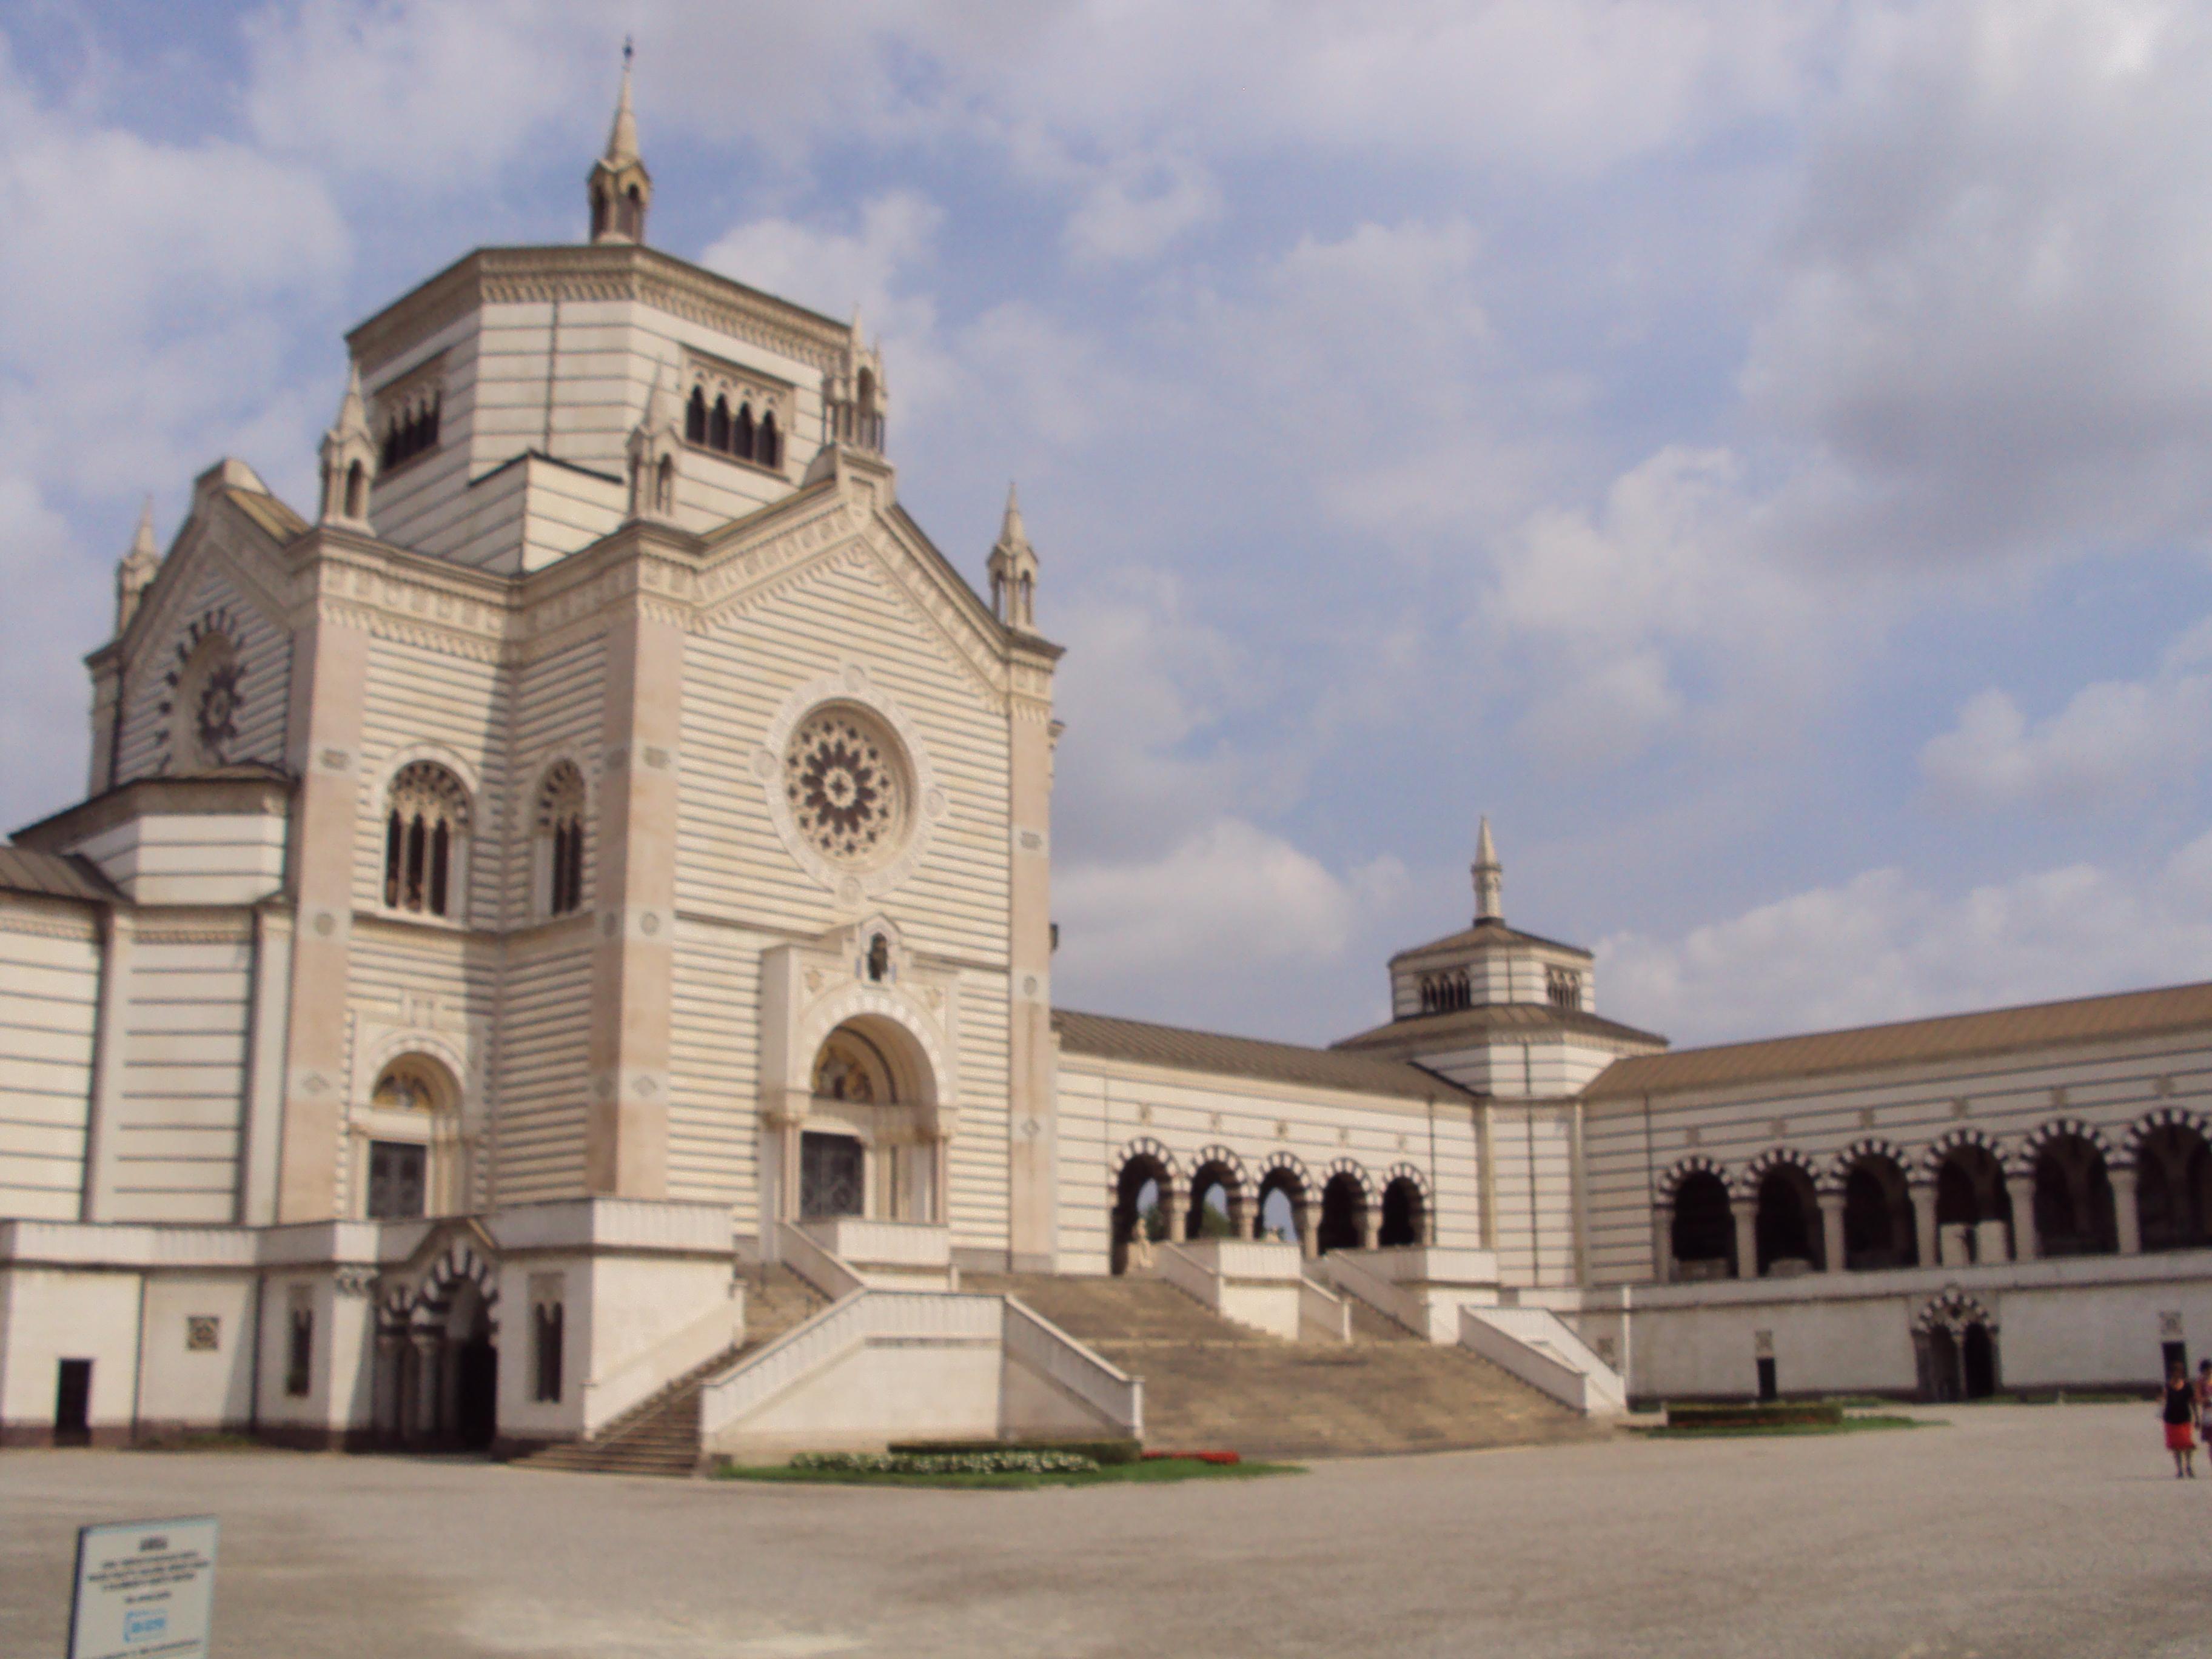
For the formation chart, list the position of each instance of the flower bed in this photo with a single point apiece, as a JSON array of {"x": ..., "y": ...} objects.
[
  {"x": 1223, "y": 1458},
  {"x": 1099, "y": 1451},
  {"x": 1777, "y": 1414},
  {"x": 1000, "y": 1461}
]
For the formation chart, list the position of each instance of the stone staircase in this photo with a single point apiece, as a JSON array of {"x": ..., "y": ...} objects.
[
  {"x": 659, "y": 1435},
  {"x": 1211, "y": 1383}
]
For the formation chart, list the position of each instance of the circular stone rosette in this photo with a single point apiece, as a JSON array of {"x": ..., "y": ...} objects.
[{"x": 848, "y": 788}]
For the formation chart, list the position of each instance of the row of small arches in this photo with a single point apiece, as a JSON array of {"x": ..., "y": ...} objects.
[
  {"x": 714, "y": 427},
  {"x": 425, "y": 830},
  {"x": 1343, "y": 1208},
  {"x": 2064, "y": 1170}
]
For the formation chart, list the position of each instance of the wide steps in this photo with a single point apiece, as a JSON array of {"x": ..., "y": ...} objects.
[
  {"x": 1211, "y": 1383},
  {"x": 659, "y": 1435}
]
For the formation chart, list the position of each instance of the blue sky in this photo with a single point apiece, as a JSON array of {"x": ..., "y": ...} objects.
[{"x": 1755, "y": 451}]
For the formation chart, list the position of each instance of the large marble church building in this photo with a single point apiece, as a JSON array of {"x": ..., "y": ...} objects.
[{"x": 592, "y": 866}]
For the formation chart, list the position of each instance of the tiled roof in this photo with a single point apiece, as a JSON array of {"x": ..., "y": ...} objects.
[
  {"x": 1500, "y": 1018},
  {"x": 1912, "y": 1041},
  {"x": 1487, "y": 935},
  {"x": 1109, "y": 1039},
  {"x": 51, "y": 875}
]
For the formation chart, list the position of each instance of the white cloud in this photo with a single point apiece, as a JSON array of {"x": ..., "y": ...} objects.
[
  {"x": 1136, "y": 208},
  {"x": 1882, "y": 946},
  {"x": 1230, "y": 898},
  {"x": 152, "y": 292}
]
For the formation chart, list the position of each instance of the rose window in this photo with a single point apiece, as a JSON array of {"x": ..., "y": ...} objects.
[{"x": 846, "y": 785}]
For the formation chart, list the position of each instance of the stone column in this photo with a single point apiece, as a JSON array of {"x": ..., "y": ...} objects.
[
  {"x": 1923, "y": 1224},
  {"x": 1172, "y": 1211},
  {"x": 1243, "y": 1216},
  {"x": 1033, "y": 1180},
  {"x": 1832, "y": 1233},
  {"x": 1662, "y": 1243},
  {"x": 634, "y": 888},
  {"x": 330, "y": 675},
  {"x": 1308, "y": 1219},
  {"x": 2026, "y": 1247},
  {"x": 2124, "y": 1209},
  {"x": 1746, "y": 1211}
]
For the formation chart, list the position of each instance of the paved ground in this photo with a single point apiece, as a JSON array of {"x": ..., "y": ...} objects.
[{"x": 2017, "y": 1530}]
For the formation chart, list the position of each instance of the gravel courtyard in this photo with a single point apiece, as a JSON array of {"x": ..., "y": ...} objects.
[{"x": 2013, "y": 1530}]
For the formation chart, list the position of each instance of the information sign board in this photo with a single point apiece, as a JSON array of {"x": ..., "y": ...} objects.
[{"x": 145, "y": 1589}]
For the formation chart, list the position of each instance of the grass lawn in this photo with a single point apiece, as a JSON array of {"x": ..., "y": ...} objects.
[
  {"x": 1154, "y": 1471},
  {"x": 1850, "y": 1424}
]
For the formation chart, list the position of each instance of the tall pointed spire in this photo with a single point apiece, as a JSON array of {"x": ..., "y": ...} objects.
[
  {"x": 137, "y": 569},
  {"x": 1013, "y": 568},
  {"x": 1489, "y": 877},
  {"x": 620, "y": 189},
  {"x": 621, "y": 137}
]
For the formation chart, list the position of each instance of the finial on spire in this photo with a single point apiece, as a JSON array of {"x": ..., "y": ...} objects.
[
  {"x": 143, "y": 545},
  {"x": 1489, "y": 877},
  {"x": 1013, "y": 567},
  {"x": 619, "y": 187}
]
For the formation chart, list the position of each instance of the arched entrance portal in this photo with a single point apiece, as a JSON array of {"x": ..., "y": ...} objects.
[
  {"x": 873, "y": 1141},
  {"x": 1955, "y": 1342},
  {"x": 1703, "y": 1228},
  {"x": 437, "y": 1374}
]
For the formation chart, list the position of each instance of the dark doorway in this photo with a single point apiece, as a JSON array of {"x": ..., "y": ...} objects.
[
  {"x": 476, "y": 1391},
  {"x": 830, "y": 1176},
  {"x": 1980, "y": 1361},
  {"x": 1343, "y": 1215},
  {"x": 73, "y": 1403},
  {"x": 1878, "y": 1222},
  {"x": 1401, "y": 1214},
  {"x": 1939, "y": 1379},
  {"x": 1769, "y": 1387},
  {"x": 1788, "y": 1222}
]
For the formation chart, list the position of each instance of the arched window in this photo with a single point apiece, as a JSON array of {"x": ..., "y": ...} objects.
[
  {"x": 1343, "y": 1214},
  {"x": 1788, "y": 1224},
  {"x": 664, "y": 486},
  {"x": 1402, "y": 1216},
  {"x": 695, "y": 416},
  {"x": 1215, "y": 1190},
  {"x": 718, "y": 425},
  {"x": 2173, "y": 1187},
  {"x": 560, "y": 840},
  {"x": 1562, "y": 987},
  {"x": 1878, "y": 1224},
  {"x": 1702, "y": 1238},
  {"x": 2074, "y": 1214},
  {"x": 1970, "y": 1190},
  {"x": 411, "y": 429},
  {"x": 357, "y": 491},
  {"x": 768, "y": 444},
  {"x": 741, "y": 434},
  {"x": 425, "y": 841}
]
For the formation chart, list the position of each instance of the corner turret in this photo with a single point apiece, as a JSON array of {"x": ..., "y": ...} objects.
[
  {"x": 136, "y": 574},
  {"x": 1013, "y": 570},
  {"x": 348, "y": 460}
]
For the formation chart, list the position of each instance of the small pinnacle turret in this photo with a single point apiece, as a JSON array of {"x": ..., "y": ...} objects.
[
  {"x": 656, "y": 449},
  {"x": 620, "y": 189},
  {"x": 348, "y": 459},
  {"x": 1489, "y": 877},
  {"x": 1013, "y": 569},
  {"x": 136, "y": 574}
]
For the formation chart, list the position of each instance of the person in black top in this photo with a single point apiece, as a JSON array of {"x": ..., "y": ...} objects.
[{"x": 2180, "y": 1415}]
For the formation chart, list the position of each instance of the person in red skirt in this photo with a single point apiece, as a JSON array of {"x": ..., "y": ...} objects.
[{"x": 2181, "y": 1415}]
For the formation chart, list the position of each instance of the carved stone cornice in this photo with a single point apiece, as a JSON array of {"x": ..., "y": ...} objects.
[{"x": 510, "y": 276}]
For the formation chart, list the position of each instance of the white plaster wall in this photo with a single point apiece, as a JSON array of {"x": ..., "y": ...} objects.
[
  {"x": 180, "y": 1109},
  {"x": 342, "y": 1368},
  {"x": 198, "y": 1390},
  {"x": 877, "y": 1393},
  {"x": 48, "y": 1315},
  {"x": 49, "y": 963},
  {"x": 193, "y": 858}
]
